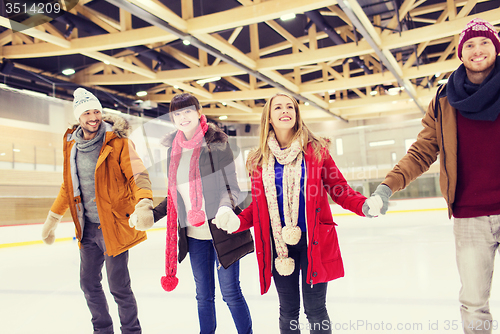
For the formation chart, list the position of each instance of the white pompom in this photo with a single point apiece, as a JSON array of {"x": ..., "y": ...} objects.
[
  {"x": 291, "y": 234},
  {"x": 284, "y": 266}
]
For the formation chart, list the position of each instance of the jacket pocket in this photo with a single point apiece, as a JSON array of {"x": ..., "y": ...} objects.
[
  {"x": 329, "y": 243},
  {"x": 122, "y": 231}
]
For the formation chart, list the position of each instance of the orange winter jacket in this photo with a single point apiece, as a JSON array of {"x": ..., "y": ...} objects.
[
  {"x": 439, "y": 136},
  {"x": 121, "y": 180}
]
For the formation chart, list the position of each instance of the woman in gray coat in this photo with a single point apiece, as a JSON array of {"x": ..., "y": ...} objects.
[{"x": 202, "y": 185}]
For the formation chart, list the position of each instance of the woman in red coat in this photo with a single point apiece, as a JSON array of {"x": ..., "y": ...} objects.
[{"x": 292, "y": 172}]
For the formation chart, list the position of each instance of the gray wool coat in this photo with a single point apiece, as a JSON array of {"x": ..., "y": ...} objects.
[{"x": 215, "y": 156}]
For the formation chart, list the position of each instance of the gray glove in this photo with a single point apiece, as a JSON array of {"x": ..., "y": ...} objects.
[
  {"x": 382, "y": 193},
  {"x": 371, "y": 207}
]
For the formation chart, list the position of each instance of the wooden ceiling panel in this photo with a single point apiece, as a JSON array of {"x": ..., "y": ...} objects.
[{"x": 250, "y": 53}]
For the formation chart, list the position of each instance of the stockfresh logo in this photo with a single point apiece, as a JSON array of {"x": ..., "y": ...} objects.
[{"x": 27, "y": 14}]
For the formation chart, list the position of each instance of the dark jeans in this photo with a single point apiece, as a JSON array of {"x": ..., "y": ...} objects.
[
  {"x": 92, "y": 258},
  {"x": 203, "y": 261},
  {"x": 289, "y": 295}
]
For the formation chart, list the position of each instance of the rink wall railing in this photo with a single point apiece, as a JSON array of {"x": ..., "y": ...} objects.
[{"x": 27, "y": 195}]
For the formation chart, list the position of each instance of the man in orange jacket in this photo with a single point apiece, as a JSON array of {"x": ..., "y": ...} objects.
[{"x": 105, "y": 182}]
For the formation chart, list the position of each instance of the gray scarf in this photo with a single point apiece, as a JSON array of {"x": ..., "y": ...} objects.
[{"x": 89, "y": 145}]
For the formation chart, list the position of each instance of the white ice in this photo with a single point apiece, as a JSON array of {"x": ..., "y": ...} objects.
[{"x": 400, "y": 277}]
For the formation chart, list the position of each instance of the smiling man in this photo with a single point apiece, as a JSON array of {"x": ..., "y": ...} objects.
[
  {"x": 463, "y": 127},
  {"x": 105, "y": 182}
]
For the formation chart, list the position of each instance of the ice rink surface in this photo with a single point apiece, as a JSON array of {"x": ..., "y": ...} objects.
[{"x": 400, "y": 277}]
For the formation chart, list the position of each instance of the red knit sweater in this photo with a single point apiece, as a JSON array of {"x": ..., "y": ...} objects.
[{"x": 478, "y": 156}]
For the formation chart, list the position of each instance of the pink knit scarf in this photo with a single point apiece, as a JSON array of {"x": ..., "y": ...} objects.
[{"x": 195, "y": 217}]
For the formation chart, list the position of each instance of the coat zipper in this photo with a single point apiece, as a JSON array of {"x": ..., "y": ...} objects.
[
  {"x": 310, "y": 252},
  {"x": 263, "y": 243}
]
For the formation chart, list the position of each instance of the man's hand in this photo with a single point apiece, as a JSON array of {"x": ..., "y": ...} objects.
[
  {"x": 49, "y": 227},
  {"x": 142, "y": 218}
]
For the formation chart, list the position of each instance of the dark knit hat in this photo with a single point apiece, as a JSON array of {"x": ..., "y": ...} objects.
[{"x": 477, "y": 28}]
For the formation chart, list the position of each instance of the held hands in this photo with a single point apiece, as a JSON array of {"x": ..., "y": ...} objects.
[
  {"x": 49, "y": 227},
  {"x": 378, "y": 203},
  {"x": 226, "y": 220},
  {"x": 142, "y": 218}
]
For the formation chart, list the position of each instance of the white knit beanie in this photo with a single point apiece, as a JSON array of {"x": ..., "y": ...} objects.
[{"x": 84, "y": 100}]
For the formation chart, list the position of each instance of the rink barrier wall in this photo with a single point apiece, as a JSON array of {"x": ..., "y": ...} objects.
[{"x": 16, "y": 235}]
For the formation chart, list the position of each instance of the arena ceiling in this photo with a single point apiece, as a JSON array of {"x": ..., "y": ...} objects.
[{"x": 344, "y": 60}]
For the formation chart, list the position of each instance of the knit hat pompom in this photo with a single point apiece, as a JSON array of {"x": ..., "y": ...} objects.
[
  {"x": 284, "y": 265},
  {"x": 196, "y": 217},
  {"x": 83, "y": 101},
  {"x": 291, "y": 234},
  {"x": 169, "y": 283},
  {"x": 478, "y": 28}
]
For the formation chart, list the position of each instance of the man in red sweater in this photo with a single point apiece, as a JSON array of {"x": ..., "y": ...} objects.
[{"x": 463, "y": 127}]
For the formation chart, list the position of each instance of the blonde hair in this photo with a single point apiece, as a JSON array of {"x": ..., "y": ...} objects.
[{"x": 259, "y": 155}]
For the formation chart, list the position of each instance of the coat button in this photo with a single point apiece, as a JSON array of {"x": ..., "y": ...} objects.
[
  {"x": 318, "y": 209},
  {"x": 315, "y": 243},
  {"x": 127, "y": 215},
  {"x": 315, "y": 274}
]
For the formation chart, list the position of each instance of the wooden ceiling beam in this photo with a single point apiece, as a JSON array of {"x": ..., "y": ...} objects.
[
  {"x": 286, "y": 35},
  {"x": 437, "y": 31},
  {"x": 225, "y": 47},
  {"x": 110, "y": 25},
  {"x": 231, "y": 40},
  {"x": 139, "y": 36},
  {"x": 33, "y": 32},
  {"x": 256, "y": 13},
  {"x": 160, "y": 10}
]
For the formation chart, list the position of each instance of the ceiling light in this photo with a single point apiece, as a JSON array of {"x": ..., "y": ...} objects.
[
  {"x": 16, "y": 150},
  {"x": 186, "y": 42},
  {"x": 394, "y": 90},
  {"x": 2, "y": 154},
  {"x": 141, "y": 93},
  {"x": 287, "y": 17},
  {"x": 394, "y": 102},
  {"x": 106, "y": 62},
  {"x": 207, "y": 80},
  {"x": 68, "y": 71},
  {"x": 331, "y": 101},
  {"x": 442, "y": 81},
  {"x": 437, "y": 75},
  {"x": 382, "y": 143},
  {"x": 373, "y": 93},
  {"x": 176, "y": 87},
  {"x": 306, "y": 103},
  {"x": 223, "y": 117},
  {"x": 224, "y": 103}
]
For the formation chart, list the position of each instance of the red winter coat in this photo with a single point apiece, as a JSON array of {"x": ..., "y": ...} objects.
[{"x": 322, "y": 178}]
